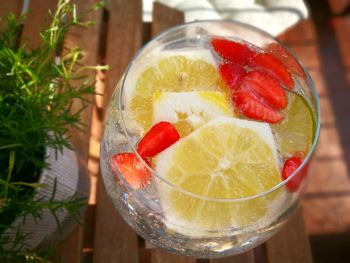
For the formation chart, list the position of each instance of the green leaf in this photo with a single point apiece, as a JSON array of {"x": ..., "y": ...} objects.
[
  {"x": 10, "y": 146},
  {"x": 33, "y": 185},
  {"x": 37, "y": 91}
]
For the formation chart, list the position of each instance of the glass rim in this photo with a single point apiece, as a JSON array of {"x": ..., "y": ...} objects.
[{"x": 177, "y": 188}]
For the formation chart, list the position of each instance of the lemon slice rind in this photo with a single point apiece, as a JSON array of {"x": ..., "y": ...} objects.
[
  {"x": 152, "y": 59},
  {"x": 191, "y": 227},
  {"x": 196, "y": 107}
]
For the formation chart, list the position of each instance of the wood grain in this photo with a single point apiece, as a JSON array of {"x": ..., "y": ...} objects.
[
  {"x": 37, "y": 19},
  {"x": 320, "y": 84},
  {"x": 164, "y": 18},
  {"x": 302, "y": 32},
  {"x": 308, "y": 54},
  {"x": 342, "y": 30},
  {"x": 87, "y": 39},
  {"x": 9, "y": 6},
  {"x": 291, "y": 244},
  {"x": 70, "y": 249},
  {"x": 115, "y": 241},
  {"x": 338, "y": 6},
  {"x": 247, "y": 257},
  {"x": 124, "y": 38},
  {"x": 161, "y": 256}
]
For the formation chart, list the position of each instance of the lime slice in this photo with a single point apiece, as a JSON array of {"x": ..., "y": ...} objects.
[
  {"x": 225, "y": 158},
  {"x": 189, "y": 110},
  {"x": 296, "y": 132},
  {"x": 173, "y": 74}
]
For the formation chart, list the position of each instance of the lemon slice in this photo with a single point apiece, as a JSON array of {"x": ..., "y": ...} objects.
[
  {"x": 174, "y": 74},
  {"x": 189, "y": 110},
  {"x": 296, "y": 132},
  {"x": 225, "y": 158}
]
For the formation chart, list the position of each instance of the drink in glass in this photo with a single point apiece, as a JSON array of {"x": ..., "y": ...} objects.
[{"x": 208, "y": 137}]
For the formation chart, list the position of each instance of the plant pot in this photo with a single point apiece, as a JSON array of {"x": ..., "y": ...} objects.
[{"x": 71, "y": 178}]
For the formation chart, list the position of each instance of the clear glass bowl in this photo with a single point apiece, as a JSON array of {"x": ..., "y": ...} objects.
[{"x": 142, "y": 209}]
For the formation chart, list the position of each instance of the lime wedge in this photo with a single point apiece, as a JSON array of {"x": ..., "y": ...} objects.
[{"x": 297, "y": 130}]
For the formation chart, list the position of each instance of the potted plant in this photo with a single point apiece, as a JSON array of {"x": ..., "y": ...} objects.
[{"x": 36, "y": 163}]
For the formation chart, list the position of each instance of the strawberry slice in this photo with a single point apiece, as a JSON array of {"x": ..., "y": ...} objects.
[
  {"x": 253, "y": 107},
  {"x": 266, "y": 87},
  {"x": 287, "y": 59},
  {"x": 157, "y": 139},
  {"x": 232, "y": 74},
  {"x": 133, "y": 170},
  {"x": 290, "y": 165},
  {"x": 233, "y": 52},
  {"x": 271, "y": 64}
]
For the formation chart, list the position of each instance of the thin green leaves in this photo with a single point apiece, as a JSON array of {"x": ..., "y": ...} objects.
[{"x": 37, "y": 90}]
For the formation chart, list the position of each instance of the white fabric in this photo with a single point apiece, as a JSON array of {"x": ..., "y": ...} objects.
[{"x": 273, "y": 16}]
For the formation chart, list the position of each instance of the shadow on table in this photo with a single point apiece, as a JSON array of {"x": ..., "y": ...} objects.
[{"x": 331, "y": 247}]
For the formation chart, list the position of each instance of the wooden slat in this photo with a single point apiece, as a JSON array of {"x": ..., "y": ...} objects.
[
  {"x": 88, "y": 40},
  {"x": 70, "y": 249},
  {"x": 9, "y": 6},
  {"x": 342, "y": 30},
  {"x": 320, "y": 84},
  {"x": 291, "y": 244},
  {"x": 327, "y": 213},
  {"x": 37, "y": 19},
  {"x": 308, "y": 54},
  {"x": 246, "y": 257},
  {"x": 327, "y": 210},
  {"x": 302, "y": 32},
  {"x": 165, "y": 17},
  {"x": 124, "y": 38},
  {"x": 115, "y": 241},
  {"x": 161, "y": 256},
  {"x": 338, "y": 6},
  {"x": 88, "y": 233},
  {"x": 330, "y": 147}
]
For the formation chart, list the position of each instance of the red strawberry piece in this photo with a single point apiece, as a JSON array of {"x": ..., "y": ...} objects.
[
  {"x": 251, "y": 106},
  {"x": 232, "y": 74},
  {"x": 290, "y": 165},
  {"x": 287, "y": 59},
  {"x": 133, "y": 170},
  {"x": 233, "y": 52},
  {"x": 157, "y": 139},
  {"x": 266, "y": 87},
  {"x": 271, "y": 64}
]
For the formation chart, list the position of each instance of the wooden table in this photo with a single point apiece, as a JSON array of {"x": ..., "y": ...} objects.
[{"x": 105, "y": 237}]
